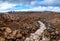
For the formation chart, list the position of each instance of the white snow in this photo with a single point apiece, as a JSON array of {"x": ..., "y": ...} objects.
[{"x": 36, "y": 36}]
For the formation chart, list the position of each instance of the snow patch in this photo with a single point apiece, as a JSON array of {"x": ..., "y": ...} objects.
[{"x": 36, "y": 36}]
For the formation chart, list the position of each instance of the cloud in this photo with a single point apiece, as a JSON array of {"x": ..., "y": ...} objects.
[
  {"x": 30, "y": 5},
  {"x": 33, "y": 2},
  {"x": 18, "y": 1},
  {"x": 39, "y": 8},
  {"x": 37, "y": 2},
  {"x": 50, "y": 2},
  {"x": 46, "y": 3},
  {"x": 42, "y": 8},
  {"x": 4, "y": 6}
]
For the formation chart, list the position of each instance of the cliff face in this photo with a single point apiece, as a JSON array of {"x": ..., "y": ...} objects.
[{"x": 19, "y": 26}]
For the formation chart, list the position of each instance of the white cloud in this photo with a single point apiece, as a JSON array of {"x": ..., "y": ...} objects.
[
  {"x": 4, "y": 6},
  {"x": 46, "y": 2},
  {"x": 48, "y": 8},
  {"x": 49, "y": 1},
  {"x": 42, "y": 8},
  {"x": 34, "y": 6},
  {"x": 33, "y": 2}
]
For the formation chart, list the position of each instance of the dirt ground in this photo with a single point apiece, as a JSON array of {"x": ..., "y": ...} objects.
[{"x": 17, "y": 26}]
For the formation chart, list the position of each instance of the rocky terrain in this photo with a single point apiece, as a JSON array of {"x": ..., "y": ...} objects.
[{"x": 30, "y": 26}]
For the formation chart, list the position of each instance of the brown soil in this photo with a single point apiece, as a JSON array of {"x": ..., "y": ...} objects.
[{"x": 19, "y": 25}]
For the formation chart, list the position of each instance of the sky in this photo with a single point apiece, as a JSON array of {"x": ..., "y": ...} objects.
[{"x": 29, "y": 5}]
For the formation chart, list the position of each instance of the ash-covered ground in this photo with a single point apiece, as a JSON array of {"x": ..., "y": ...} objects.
[{"x": 30, "y": 26}]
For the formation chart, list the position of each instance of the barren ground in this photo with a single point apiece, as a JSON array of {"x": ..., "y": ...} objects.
[{"x": 18, "y": 26}]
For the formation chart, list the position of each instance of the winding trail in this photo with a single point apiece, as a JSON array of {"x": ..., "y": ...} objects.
[{"x": 36, "y": 36}]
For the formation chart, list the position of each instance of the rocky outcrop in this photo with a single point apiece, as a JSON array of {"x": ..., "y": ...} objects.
[
  {"x": 12, "y": 28},
  {"x": 22, "y": 27}
]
